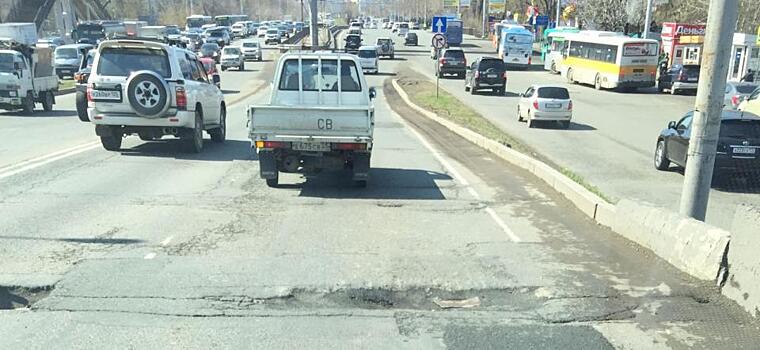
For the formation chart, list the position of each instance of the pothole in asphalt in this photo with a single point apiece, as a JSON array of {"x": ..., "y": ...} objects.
[{"x": 22, "y": 297}]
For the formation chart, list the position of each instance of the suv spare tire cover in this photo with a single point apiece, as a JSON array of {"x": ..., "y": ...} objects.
[{"x": 148, "y": 94}]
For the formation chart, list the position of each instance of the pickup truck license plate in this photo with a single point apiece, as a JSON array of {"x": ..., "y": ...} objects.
[
  {"x": 311, "y": 146},
  {"x": 107, "y": 95},
  {"x": 744, "y": 150}
]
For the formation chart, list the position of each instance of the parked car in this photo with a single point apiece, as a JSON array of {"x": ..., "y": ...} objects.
[
  {"x": 153, "y": 89},
  {"x": 679, "y": 78},
  {"x": 211, "y": 50},
  {"x": 545, "y": 103},
  {"x": 385, "y": 47},
  {"x": 210, "y": 66},
  {"x": 737, "y": 92},
  {"x": 333, "y": 131},
  {"x": 451, "y": 61},
  {"x": 410, "y": 39},
  {"x": 69, "y": 57},
  {"x": 81, "y": 77},
  {"x": 368, "y": 59},
  {"x": 353, "y": 43},
  {"x": 486, "y": 73},
  {"x": 232, "y": 57},
  {"x": 251, "y": 50},
  {"x": 738, "y": 144}
]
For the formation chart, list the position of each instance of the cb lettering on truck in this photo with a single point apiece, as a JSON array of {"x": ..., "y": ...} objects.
[{"x": 324, "y": 124}]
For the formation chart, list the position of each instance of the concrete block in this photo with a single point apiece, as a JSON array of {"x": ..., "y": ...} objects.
[
  {"x": 545, "y": 172},
  {"x": 743, "y": 282},
  {"x": 605, "y": 213},
  {"x": 580, "y": 196},
  {"x": 690, "y": 245}
]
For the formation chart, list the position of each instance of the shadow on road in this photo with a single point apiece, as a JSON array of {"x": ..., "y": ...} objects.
[
  {"x": 9, "y": 301},
  {"x": 173, "y": 148},
  {"x": 226, "y": 92},
  {"x": 384, "y": 183},
  {"x": 93, "y": 240},
  {"x": 386, "y": 74},
  {"x": 738, "y": 183},
  {"x": 41, "y": 114}
]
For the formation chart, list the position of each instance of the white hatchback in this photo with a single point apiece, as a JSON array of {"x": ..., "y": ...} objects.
[
  {"x": 545, "y": 103},
  {"x": 368, "y": 59}
]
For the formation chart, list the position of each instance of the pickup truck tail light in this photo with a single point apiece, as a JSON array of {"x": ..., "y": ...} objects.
[
  {"x": 349, "y": 146},
  {"x": 272, "y": 144},
  {"x": 181, "y": 98},
  {"x": 89, "y": 93},
  {"x": 535, "y": 104}
]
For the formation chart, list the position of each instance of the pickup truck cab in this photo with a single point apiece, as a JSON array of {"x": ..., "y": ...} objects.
[
  {"x": 26, "y": 77},
  {"x": 320, "y": 116}
]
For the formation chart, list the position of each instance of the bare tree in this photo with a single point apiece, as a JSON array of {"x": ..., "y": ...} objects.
[{"x": 603, "y": 14}]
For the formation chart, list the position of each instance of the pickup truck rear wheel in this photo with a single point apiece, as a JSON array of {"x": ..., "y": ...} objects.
[
  {"x": 47, "y": 101},
  {"x": 28, "y": 103}
]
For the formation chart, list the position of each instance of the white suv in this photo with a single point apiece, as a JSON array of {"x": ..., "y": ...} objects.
[{"x": 152, "y": 89}]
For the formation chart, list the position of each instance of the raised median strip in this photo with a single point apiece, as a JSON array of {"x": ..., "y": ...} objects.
[{"x": 692, "y": 246}]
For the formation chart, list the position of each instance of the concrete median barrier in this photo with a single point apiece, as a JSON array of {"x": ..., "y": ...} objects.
[
  {"x": 743, "y": 282},
  {"x": 690, "y": 245}
]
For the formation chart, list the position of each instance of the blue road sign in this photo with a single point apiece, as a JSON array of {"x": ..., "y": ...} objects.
[
  {"x": 439, "y": 24},
  {"x": 541, "y": 21}
]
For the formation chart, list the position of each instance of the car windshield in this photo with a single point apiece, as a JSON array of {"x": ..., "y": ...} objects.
[
  {"x": 231, "y": 51},
  {"x": 173, "y": 31},
  {"x": 121, "y": 62},
  {"x": 272, "y": 31},
  {"x": 367, "y": 53},
  {"x": 558, "y": 93},
  {"x": 740, "y": 128},
  {"x": 6, "y": 62},
  {"x": 66, "y": 53},
  {"x": 216, "y": 34},
  {"x": 209, "y": 48},
  {"x": 251, "y": 45}
]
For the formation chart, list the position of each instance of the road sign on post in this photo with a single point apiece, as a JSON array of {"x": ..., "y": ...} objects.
[
  {"x": 439, "y": 24},
  {"x": 439, "y": 42}
]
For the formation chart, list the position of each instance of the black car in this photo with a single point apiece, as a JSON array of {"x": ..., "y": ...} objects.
[
  {"x": 738, "y": 143},
  {"x": 81, "y": 77},
  {"x": 451, "y": 61},
  {"x": 486, "y": 73},
  {"x": 679, "y": 78},
  {"x": 410, "y": 39},
  {"x": 353, "y": 43},
  {"x": 211, "y": 50}
]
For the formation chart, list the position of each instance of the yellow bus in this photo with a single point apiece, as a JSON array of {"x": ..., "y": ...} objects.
[{"x": 609, "y": 60}]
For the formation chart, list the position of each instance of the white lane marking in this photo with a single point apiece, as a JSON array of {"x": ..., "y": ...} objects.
[
  {"x": 149, "y": 256},
  {"x": 166, "y": 241},
  {"x": 459, "y": 178},
  {"x": 43, "y": 157},
  {"x": 46, "y": 159}
]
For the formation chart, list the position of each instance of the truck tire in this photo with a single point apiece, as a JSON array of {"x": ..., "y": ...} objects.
[
  {"x": 28, "y": 106},
  {"x": 148, "y": 94},
  {"x": 81, "y": 102},
  {"x": 112, "y": 142},
  {"x": 47, "y": 101}
]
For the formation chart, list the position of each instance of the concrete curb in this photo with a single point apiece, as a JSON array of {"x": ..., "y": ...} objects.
[
  {"x": 743, "y": 282},
  {"x": 690, "y": 245}
]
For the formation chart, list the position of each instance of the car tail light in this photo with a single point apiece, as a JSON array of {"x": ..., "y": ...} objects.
[
  {"x": 735, "y": 100},
  {"x": 530, "y": 59},
  {"x": 181, "y": 98},
  {"x": 89, "y": 93},
  {"x": 681, "y": 76},
  {"x": 535, "y": 104},
  {"x": 349, "y": 146},
  {"x": 504, "y": 75},
  {"x": 272, "y": 144},
  {"x": 442, "y": 61},
  {"x": 570, "y": 106},
  {"x": 477, "y": 74}
]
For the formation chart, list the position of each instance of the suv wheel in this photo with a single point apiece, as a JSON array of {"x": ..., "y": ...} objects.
[
  {"x": 219, "y": 134},
  {"x": 194, "y": 139},
  {"x": 112, "y": 142},
  {"x": 148, "y": 94},
  {"x": 81, "y": 102},
  {"x": 661, "y": 161}
]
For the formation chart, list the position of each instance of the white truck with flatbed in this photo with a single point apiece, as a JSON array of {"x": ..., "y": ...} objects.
[
  {"x": 27, "y": 75},
  {"x": 320, "y": 116}
]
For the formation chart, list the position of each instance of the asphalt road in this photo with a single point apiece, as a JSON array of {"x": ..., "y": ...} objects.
[
  {"x": 153, "y": 248},
  {"x": 612, "y": 138}
]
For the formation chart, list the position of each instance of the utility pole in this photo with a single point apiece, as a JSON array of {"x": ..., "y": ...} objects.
[
  {"x": 556, "y": 19},
  {"x": 191, "y": 7},
  {"x": 485, "y": 18},
  {"x": 315, "y": 25},
  {"x": 647, "y": 19},
  {"x": 301, "y": 10},
  {"x": 721, "y": 22},
  {"x": 241, "y": 7}
]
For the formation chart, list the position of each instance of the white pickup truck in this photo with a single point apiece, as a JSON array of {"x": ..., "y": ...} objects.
[
  {"x": 26, "y": 71},
  {"x": 320, "y": 116}
]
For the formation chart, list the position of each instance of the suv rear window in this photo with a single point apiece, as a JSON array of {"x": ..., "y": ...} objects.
[
  {"x": 553, "y": 92},
  {"x": 485, "y": 65},
  {"x": 745, "y": 89},
  {"x": 367, "y": 53},
  {"x": 454, "y": 54},
  {"x": 740, "y": 128},
  {"x": 121, "y": 62},
  {"x": 691, "y": 71}
]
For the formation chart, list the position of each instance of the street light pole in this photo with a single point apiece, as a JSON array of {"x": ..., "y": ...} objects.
[
  {"x": 314, "y": 24},
  {"x": 485, "y": 18},
  {"x": 556, "y": 19},
  {"x": 703, "y": 143},
  {"x": 647, "y": 19}
]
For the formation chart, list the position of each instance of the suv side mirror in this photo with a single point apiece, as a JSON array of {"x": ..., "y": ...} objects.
[
  {"x": 671, "y": 124},
  {"x": 372, "y": 93}
]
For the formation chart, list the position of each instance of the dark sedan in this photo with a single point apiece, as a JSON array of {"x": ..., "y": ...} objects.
[
  {"x": 486, "y": 73},
  {"x": 679, "y": 78},
  {"x": 451, "y": 61},
  {"x": 410, "y": 39},
  {"x": 738, "y": 143}
]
